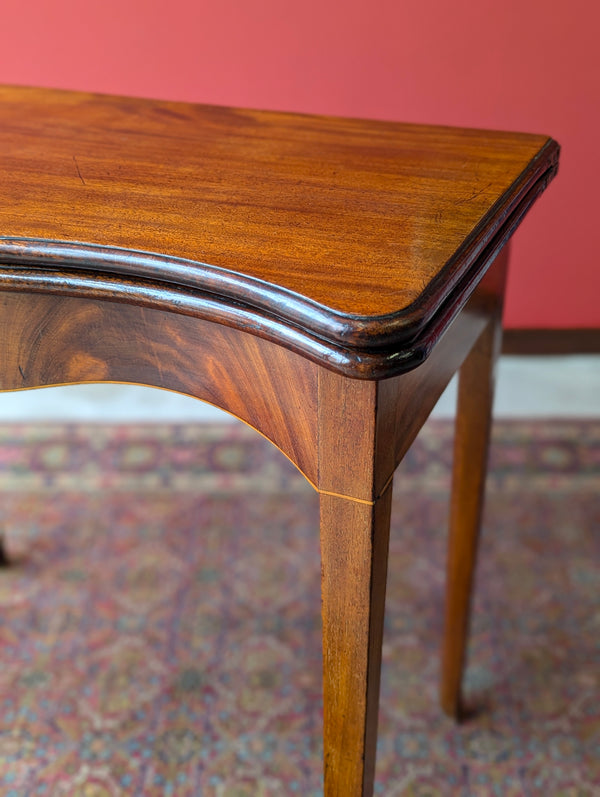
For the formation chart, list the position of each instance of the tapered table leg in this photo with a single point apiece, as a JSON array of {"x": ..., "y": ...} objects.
[
  {"x": 473, "y": 423},
  {"x": 354, "y": 550}
]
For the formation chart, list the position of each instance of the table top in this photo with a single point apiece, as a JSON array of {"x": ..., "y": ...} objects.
[{"x": 354, "y": 233}]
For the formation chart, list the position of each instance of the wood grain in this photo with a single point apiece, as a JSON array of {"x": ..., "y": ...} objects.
[
  {"x": 320, "y": 278},
  {"x": 354, "y": 551},
  {"x": 50, "y": 340},
  {"x": 354, "y": 548},
  {"x": 358, "y": 233}
]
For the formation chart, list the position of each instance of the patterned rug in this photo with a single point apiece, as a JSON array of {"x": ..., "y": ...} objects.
[{"x": 160, "y": 625}]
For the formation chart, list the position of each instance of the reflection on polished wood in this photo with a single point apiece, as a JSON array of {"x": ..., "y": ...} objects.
[{"x": 320, "y": 278}]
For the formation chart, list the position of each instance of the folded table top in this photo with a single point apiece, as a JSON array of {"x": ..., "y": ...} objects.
[{"x": 363, "y": 236}]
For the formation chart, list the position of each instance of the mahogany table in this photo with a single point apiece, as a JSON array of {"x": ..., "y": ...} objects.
[{"x": 322, "y": 279}]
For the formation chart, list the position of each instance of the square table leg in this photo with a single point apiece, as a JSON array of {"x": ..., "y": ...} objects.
[
  {"x": 364, "y": 429},
  {"x": 355, "y": 467},
  {"x": 354, "y": 549}
]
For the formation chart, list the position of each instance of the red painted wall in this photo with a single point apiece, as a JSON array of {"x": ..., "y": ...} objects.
[{"x": 523, "y": 64}]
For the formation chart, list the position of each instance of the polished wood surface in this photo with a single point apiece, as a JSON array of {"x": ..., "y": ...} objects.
[
  {"x": 354, "y": 551},
  {"x": 354, "y": 460},
  {"x": 321, "y": 279},
  {"x": 52, "y": 340},
  {"x": 296, "y": 218}
]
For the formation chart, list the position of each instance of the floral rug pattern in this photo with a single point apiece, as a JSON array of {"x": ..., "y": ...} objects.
[{"x": 160, "y": 621}]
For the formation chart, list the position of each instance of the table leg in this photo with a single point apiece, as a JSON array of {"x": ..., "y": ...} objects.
[
  {"x": 354, "y": 550},
  {"x": 473, "y": 422}
]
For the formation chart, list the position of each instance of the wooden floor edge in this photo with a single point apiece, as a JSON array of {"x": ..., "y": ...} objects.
[{"x": 551, "y": 341}]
